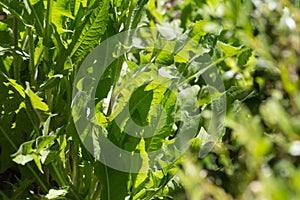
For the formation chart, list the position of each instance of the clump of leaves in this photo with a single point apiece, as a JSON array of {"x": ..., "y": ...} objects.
[{"x": 254, "y": 44}]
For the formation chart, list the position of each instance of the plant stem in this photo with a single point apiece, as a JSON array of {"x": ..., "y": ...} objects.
[
  {"x": 60, "y": 177},
  {"x": 31, "y": 58},
  {"x": 16, "y": 60},
  {"x": 29, "y": 114},
  {"x": 47, "y": 36},
  {"x": 74, "y": 155},
  {"x": 63, "y": 181},
  {"x": 107, "y": 183},
  {"x": 97, "y": 191}
]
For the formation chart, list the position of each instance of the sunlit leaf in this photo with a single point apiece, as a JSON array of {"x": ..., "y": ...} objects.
[
  {"x": 36, "y": 101},
  {"x": 54, "y": 194}
]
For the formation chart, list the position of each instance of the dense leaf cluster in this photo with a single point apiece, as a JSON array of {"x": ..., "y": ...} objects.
[{"x": 255, "y": 46}]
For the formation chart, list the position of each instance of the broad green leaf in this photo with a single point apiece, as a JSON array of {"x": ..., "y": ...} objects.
[
  {"x": 13, "y": 120},
  {"x": 94, "y": 28},
  {"x": 36, "y": 101},
  {"x": 103, "y": 88},
  {"x": 58, "y": 11},
  {"x": 207, "y": 94},
  {"x": 38, "y": 51},
  {"x": 244, "y": 57},
  {"x": 46, "y": 125},
  {"x": 127, "y": 88},
  {"x": 139, "y": 105},
  {"x": 190, "y": 47},
  {"x": 227, "y": 49},
  {"x": 3, "y": 27},
  {"x": 161, "y": 121},
  {"x": 44, "y": 155},
  {"x": 110, "y": 180}
]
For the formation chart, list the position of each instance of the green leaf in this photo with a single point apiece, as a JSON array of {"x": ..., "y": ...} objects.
[
  {"x": 244, "y": 57},
  {"x": 110, "y": 180},
  {"x": 23, "y": 159},
  {"x": 25, "y": 148},
  {"x": 153, "y": 11},
  {"x": 139, "y": 105},
  {"x": 37, "y": 162},
  {"x": 203, "y": 136},
  {"x": 94, "y": 28},
  {"x": 53, "y": 194},
  {"x": 52, "y": 82},
  {"x": 16, "y": 86},
  {"x": 32, "y": 2},
  {"x": 24, "y": 153},
  {"x": 227, "y": 49},
  {"x": 43, "y": 141},
  {"x": 164, "y": 57},
  {"x": 36, "y": 101},
  {"x": 186, "y": 12},
  {"x": 199, "y": 29},
  {"x": 161, "y": 120},
  {"x": 59, "y": 10},
  {"x": 142, "y": 176}
]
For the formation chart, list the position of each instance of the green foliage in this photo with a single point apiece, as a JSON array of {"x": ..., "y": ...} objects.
[
  {"x": 91, "y": 33},
  {"x": 255, "y": 46}
]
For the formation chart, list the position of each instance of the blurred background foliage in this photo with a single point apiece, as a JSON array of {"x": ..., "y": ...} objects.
[
  {"x": 255, "y": 45},
  {"x": 258, "y": 157}
]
